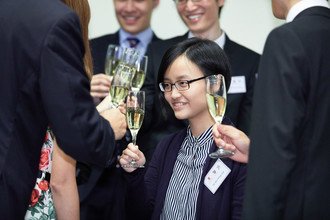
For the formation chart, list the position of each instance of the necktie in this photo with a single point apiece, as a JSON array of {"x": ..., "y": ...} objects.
[{"x": 133, "y": 42}]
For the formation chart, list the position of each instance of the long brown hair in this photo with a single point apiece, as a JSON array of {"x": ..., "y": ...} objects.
[{"x": 81, "y": 7}]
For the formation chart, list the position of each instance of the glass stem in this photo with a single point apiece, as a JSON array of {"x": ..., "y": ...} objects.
[{"x": 134, "y": 134}]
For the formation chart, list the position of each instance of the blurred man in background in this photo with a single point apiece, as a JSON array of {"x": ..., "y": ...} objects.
[{"x": 202, "y": 19}]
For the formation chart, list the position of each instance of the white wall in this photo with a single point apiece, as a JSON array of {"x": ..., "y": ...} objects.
[{"x": 246, "y": 22}]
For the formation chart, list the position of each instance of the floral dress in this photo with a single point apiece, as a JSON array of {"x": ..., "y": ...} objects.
[{"x": 41, "y": 204}]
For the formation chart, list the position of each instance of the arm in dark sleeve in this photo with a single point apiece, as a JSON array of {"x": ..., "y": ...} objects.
[
  {"x": 80, "y": 130},
  {"x": 143, "y": 185}
]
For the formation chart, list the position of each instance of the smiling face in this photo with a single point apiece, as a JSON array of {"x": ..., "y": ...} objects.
[
  {"x": 134, "y": 15},
  {"x": 202, "y": 17},
  {"x": 189, "y": 104}
]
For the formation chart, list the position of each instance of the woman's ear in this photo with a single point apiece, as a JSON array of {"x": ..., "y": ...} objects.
[{"x": 220, "y": 3}]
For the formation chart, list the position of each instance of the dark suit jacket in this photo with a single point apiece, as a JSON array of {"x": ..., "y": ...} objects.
[
  {"x": 244, "y": 62},
  {"x": 105, "y": 184},
  {"x": 289, "y": 165},
  {"x": 148, "y": 191},
  {"x": 43, "y": 83}
]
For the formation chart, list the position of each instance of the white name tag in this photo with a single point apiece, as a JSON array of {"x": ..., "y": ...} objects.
[
  {"x": 216, "y": 176},
  {"x": 237, "y": 85}
]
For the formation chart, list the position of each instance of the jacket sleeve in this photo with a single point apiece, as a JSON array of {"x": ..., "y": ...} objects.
[{"x": 80, "y": 131}]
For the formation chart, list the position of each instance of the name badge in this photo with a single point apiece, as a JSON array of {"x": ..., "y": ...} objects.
[
  {"x": 216, "y": 176},
  {"x": 237, "y": 85}
]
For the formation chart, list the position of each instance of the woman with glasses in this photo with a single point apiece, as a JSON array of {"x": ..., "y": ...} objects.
[
  {"x": 181, "y": 181},
  {"x": 202, "y": 18}
]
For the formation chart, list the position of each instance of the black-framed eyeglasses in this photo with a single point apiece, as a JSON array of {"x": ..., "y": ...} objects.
[
  {"x": 183, "y": 2},
  {"x": 180, "y": 85}
]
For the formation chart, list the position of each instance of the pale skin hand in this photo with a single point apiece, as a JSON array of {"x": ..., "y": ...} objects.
[
  {"x": 130, "y": 153},
  {"x": 104, "y": 105},
  {"x": 117, "y": 120},
  {"x": 230, "y": 138},
  {"x": 100, "y": 85}
]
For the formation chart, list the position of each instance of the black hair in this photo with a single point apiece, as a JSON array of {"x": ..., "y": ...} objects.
[{"x": 205, "y": 54}]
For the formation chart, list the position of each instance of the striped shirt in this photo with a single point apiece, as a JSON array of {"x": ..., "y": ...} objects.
[{"x": 182, "y": 192}]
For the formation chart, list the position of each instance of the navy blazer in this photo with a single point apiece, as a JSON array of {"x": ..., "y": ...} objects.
[
  {"x": 289, "y": 162},
  {"x": 43, "y": 83},
  {"x": 148, "y": 193}
]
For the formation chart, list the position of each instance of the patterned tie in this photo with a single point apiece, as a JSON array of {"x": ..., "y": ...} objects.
[{"x": 133, "y": 42}]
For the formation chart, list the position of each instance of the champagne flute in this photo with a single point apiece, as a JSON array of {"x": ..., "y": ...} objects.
[
  {"x": 123, "y": 75},
  {"x": 112, "y": 59},
  {"x": 135, "y": 103},
  {"x": 130, "y": 56},
  {"x": 140, "y": 73},
  {"x": 216, "y": 96},
  {"x": 120, "y": 84}
]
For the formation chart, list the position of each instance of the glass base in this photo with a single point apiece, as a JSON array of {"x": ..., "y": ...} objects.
[
  {"x": 134, "y": 164},
  {"x": 221, "y": 153}
]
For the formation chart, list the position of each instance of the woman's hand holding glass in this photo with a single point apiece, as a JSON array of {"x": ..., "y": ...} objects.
[
  {"x": 117, "y": 120},
  {"x": 132, "y": 152}
]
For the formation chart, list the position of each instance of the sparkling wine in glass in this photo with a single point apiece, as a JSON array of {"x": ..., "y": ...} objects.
[
  {"x": 129, "y": 57},
  {"x": 123, "y": 75},
  {"x": 216, "y": 96},
  {"x": 120, "y": 84},
  {"x": 140, "y": 73},
  {"x": 112, "y": 58},
  {"x": 135, "y": 108}
]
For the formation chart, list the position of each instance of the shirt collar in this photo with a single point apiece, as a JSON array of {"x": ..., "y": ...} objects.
[
  {"x": 302, "y": 5},
  {"x": 201, "y": 139},
  {"x": 220, "y": 41},
  {"x": 144, "y": 36}
]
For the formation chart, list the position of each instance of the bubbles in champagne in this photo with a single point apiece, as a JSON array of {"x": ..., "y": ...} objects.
[
  {"x": 134, "y": 117},
  {"x": 118, "y": 93},
  {"x": 138, "y": 79},
  {"x": 217, "y": 106}
]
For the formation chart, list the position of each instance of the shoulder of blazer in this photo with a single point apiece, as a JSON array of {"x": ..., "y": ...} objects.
[
  {"x": 168, "y": 42},
  {"x": 154, "y": 37},
  {"x": 232, "y": 47},
  {"x": 170, "y": 141},
  {"x": 162, "y": 45},
  {"x": 318, "y": 10},
  {"x": 166, "y": 152},
  {"x": 105, "y": 40}
]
